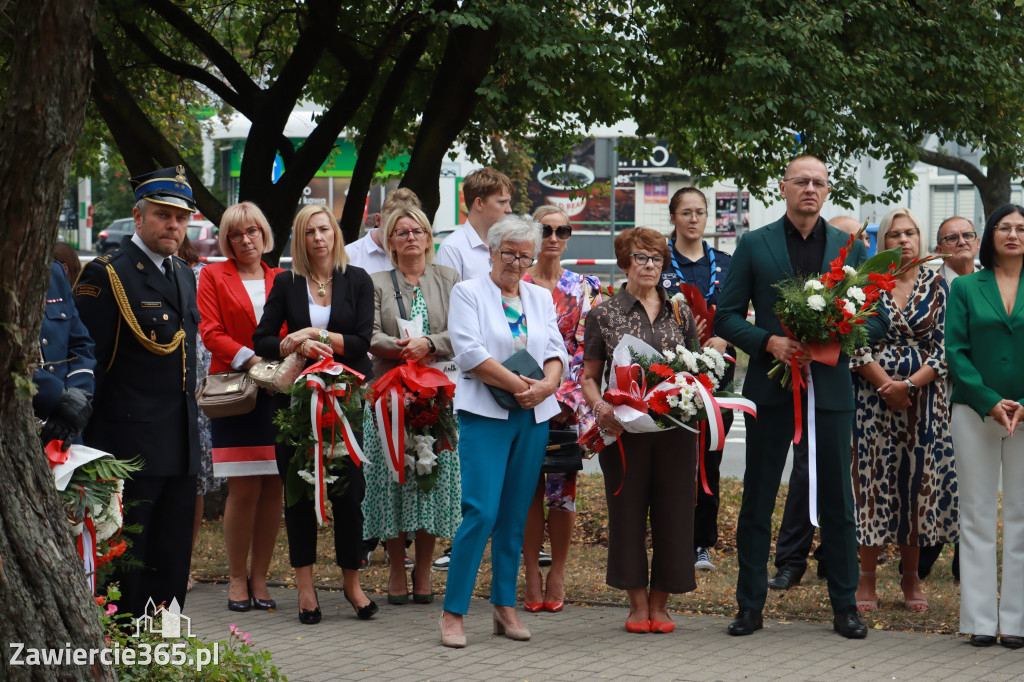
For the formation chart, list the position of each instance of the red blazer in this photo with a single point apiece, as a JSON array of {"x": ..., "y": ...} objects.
[{"x": 227, "y": 319}]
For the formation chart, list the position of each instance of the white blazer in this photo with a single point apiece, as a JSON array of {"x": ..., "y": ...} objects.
[{"x": 479, "y": 330}]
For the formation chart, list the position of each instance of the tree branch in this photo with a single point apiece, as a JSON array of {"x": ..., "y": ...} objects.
[
  {"x": 211, "y": 47},
  {"x": 955, "y": 164},
  {"x": 138, "y": 140}
]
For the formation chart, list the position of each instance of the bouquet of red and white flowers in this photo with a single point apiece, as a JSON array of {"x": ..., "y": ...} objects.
[
  {"x": 828, "y": 312},
  {"x": 654, "y": 391},
  {"x": 326, "y": 401},
  {"x": 412, "y": 407}
]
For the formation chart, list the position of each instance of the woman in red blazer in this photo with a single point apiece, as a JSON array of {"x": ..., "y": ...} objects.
[{"x": 231, "y": 298}]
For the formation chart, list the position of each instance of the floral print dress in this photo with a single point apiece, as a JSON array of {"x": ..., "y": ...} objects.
[
  {"x": 574, "y": 296},
  {"x": 389, "y": 507},
  {"x": 904, "y": 479}
]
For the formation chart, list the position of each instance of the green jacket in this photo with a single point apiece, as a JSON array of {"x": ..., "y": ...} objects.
[
  {"x": 983, "y": 343},
  {"x": 761, "y": 260}
]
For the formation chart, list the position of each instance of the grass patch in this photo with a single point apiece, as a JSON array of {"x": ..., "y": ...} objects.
[{"x": 715, "y": 593}]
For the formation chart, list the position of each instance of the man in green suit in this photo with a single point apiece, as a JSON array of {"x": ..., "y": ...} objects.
[{"x": 801, "y": 243}]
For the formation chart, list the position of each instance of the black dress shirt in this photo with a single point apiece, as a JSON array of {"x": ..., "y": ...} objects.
[{"x": 805, "y": 254}]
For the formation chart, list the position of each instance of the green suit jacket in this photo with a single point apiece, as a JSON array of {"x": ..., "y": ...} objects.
[
  {"x": 761, "y": 260},
  {"x": 983, "y": 343}
]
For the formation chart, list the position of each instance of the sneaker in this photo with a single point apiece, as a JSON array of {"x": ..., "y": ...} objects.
[
  {"x": 441, "y": 564},
  {"x": 543, "y": 559},
  {"x": 703, "y": 562}
]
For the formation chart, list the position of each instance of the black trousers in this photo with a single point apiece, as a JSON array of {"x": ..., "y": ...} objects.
[
  {"x": 164, "y": 506},
  {"x": 796, "y": 534},
  {"x": 346, "y": 512},
  {"x": 705, "y": 514}
]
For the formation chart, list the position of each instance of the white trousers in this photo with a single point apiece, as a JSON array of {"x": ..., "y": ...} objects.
[{"x": 982, "y": 450}]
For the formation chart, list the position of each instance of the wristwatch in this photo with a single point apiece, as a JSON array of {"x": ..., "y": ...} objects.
[
  {"x": 433, "y": 348},
  {"x": 911, "y": 388},
  {"x": 323, "y": 337}
]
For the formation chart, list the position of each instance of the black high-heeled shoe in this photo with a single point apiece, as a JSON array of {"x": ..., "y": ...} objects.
[
  {"x": 310, "y": 616},
  {"x": 257, "y": 603},
  {"x": 240, "y": 604},
  {"x": 365, "y": 612}
]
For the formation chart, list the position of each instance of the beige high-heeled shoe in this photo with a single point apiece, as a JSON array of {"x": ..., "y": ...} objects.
[
  {"x": 453, "y": 641},
  {"x": 520, "y": 634}
]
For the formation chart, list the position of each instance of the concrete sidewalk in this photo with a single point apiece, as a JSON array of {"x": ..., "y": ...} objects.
[{"x": 581, "y": 643}]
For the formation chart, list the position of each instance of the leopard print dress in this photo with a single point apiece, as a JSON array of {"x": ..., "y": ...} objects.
[{"x": 904, "y": 478}]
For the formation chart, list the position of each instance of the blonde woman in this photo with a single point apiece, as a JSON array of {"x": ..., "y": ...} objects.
[{"x": 328, "y": 307}]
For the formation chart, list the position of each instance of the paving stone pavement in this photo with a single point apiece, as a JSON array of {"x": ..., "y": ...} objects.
[{"x": 581, "y": 643}]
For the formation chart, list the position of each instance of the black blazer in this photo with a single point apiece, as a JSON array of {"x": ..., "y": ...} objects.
[
  {"x": 144, "y": 404},
  {"x": 351, "y": 315}
]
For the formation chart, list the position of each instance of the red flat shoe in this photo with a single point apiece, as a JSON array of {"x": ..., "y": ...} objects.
[
  {"x": 533, "y": 607},
  {"x": 554, "y": 606},
  {"x": 638, "y": 628},
  {"x": 662, "y": 626}
]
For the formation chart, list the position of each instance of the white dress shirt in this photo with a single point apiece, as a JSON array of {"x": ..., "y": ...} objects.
[
  {"x": 479, "y": 330},
  {"x": 464, "y": 252},
  {"x": 369, "y": 255}
]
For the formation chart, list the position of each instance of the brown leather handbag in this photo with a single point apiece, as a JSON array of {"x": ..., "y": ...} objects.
[{"x": 227, "y": 394}]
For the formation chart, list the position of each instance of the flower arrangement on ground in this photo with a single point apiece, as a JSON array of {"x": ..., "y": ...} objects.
[
  {"x": 90, "y": 483},
  {"x": 326, "y": 399},
  {"x": 412, "y": 409}
]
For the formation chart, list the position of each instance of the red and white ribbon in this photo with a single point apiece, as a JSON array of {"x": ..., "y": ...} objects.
[
  {"x": 87, "y": 552},
  {"x": 329, "y": 396},
  {"x": 812, "y": 453},
  {"x": 391, "y": 427}
]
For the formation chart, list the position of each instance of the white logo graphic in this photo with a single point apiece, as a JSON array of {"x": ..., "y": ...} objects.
[{"x": 165, "y": 621}]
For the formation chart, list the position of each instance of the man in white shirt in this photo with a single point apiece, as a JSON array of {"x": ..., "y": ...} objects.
[
  {"x": 368, "y": 253},
  {"x": 957, "y": 240},
  {"x": 488, "y": 195}
]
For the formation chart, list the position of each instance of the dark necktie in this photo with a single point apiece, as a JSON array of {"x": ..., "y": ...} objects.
[{"x": 169, "y": 270}]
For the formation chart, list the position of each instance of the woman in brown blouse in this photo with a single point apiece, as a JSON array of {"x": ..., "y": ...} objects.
[{"x": 659, "y": 476}]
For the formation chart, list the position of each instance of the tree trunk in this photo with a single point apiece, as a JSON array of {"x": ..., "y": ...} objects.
[
  {"x": 449, "y": 108},
  {"x": 994, "y": 186},
  {"x": 46, "y": 601}
]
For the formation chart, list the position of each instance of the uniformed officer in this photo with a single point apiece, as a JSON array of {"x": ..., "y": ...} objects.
[
  {"x": 139, "y": 304},
  {"x": 64, "y": 378}
]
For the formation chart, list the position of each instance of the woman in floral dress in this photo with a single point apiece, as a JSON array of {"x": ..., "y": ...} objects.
[
  {"x": 416, "y": 291},
  {"x": 574, "y": 295},
  {"x": 904, "y": 481}
]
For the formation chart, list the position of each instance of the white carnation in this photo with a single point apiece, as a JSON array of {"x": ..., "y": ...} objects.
[
  {"x": 857, "y": 294},
  {"x": 850, "y": 272},
  {"x": 850, "y": 307},
  {"x": 307, "y": 476},
  {"x": 813, "y": 285},
  {"x": 678, "y": 298},
  {"x": 669, "y": 356},
  {"x": 816, "y": 302},
  {"x": 690, "y": 360}
]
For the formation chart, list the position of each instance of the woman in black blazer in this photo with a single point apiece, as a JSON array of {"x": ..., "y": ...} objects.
[{"x": 329, "y": 309}]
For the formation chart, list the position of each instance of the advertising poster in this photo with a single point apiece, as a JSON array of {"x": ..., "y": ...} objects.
[{"x": 731, "y": 215}]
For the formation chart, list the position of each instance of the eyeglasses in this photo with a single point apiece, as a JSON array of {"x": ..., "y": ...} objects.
[
  {"x": 642, "y": 258},
  {"x": 409, "y": 234},
  {"x": 909, "y": 232},
  {"x": 1004, "y": 230},
  {"x": 803, "y": 182},
  {"x": 509, "y": 257},
  {"x": 563, "y": 232},
  {"x": 687, "y": 213},
  {"x": 250, "y": 232},
  {"x": 954, "y": 239}
]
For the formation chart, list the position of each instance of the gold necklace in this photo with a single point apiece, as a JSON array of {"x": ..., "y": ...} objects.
[{"x": 322, "y": 291}]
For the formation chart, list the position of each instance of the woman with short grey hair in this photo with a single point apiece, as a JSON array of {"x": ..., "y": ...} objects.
[{"x": 501, "y": 444}]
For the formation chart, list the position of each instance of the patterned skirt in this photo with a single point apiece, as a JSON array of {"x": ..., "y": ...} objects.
[{"x": 390, "y": 508}]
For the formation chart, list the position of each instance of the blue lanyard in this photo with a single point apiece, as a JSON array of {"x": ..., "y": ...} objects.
[{"x": 679, "y": 271}]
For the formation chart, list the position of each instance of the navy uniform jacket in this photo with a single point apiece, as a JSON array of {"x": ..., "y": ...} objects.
[
  {"x": 65, "y": 346},
  {"x": 145, "y": 403}
]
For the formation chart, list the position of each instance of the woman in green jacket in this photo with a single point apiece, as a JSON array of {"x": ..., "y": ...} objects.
[{"x": 984, "y": 335}]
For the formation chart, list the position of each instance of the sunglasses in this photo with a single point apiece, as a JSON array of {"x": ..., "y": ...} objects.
[{"x": 562, "y": 231}]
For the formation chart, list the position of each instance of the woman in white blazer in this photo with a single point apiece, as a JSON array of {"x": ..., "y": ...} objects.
[{"x": 501, "y": 451}]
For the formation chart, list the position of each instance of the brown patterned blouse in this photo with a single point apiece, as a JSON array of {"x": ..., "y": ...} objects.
[{"x": 623, "y": 314}]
